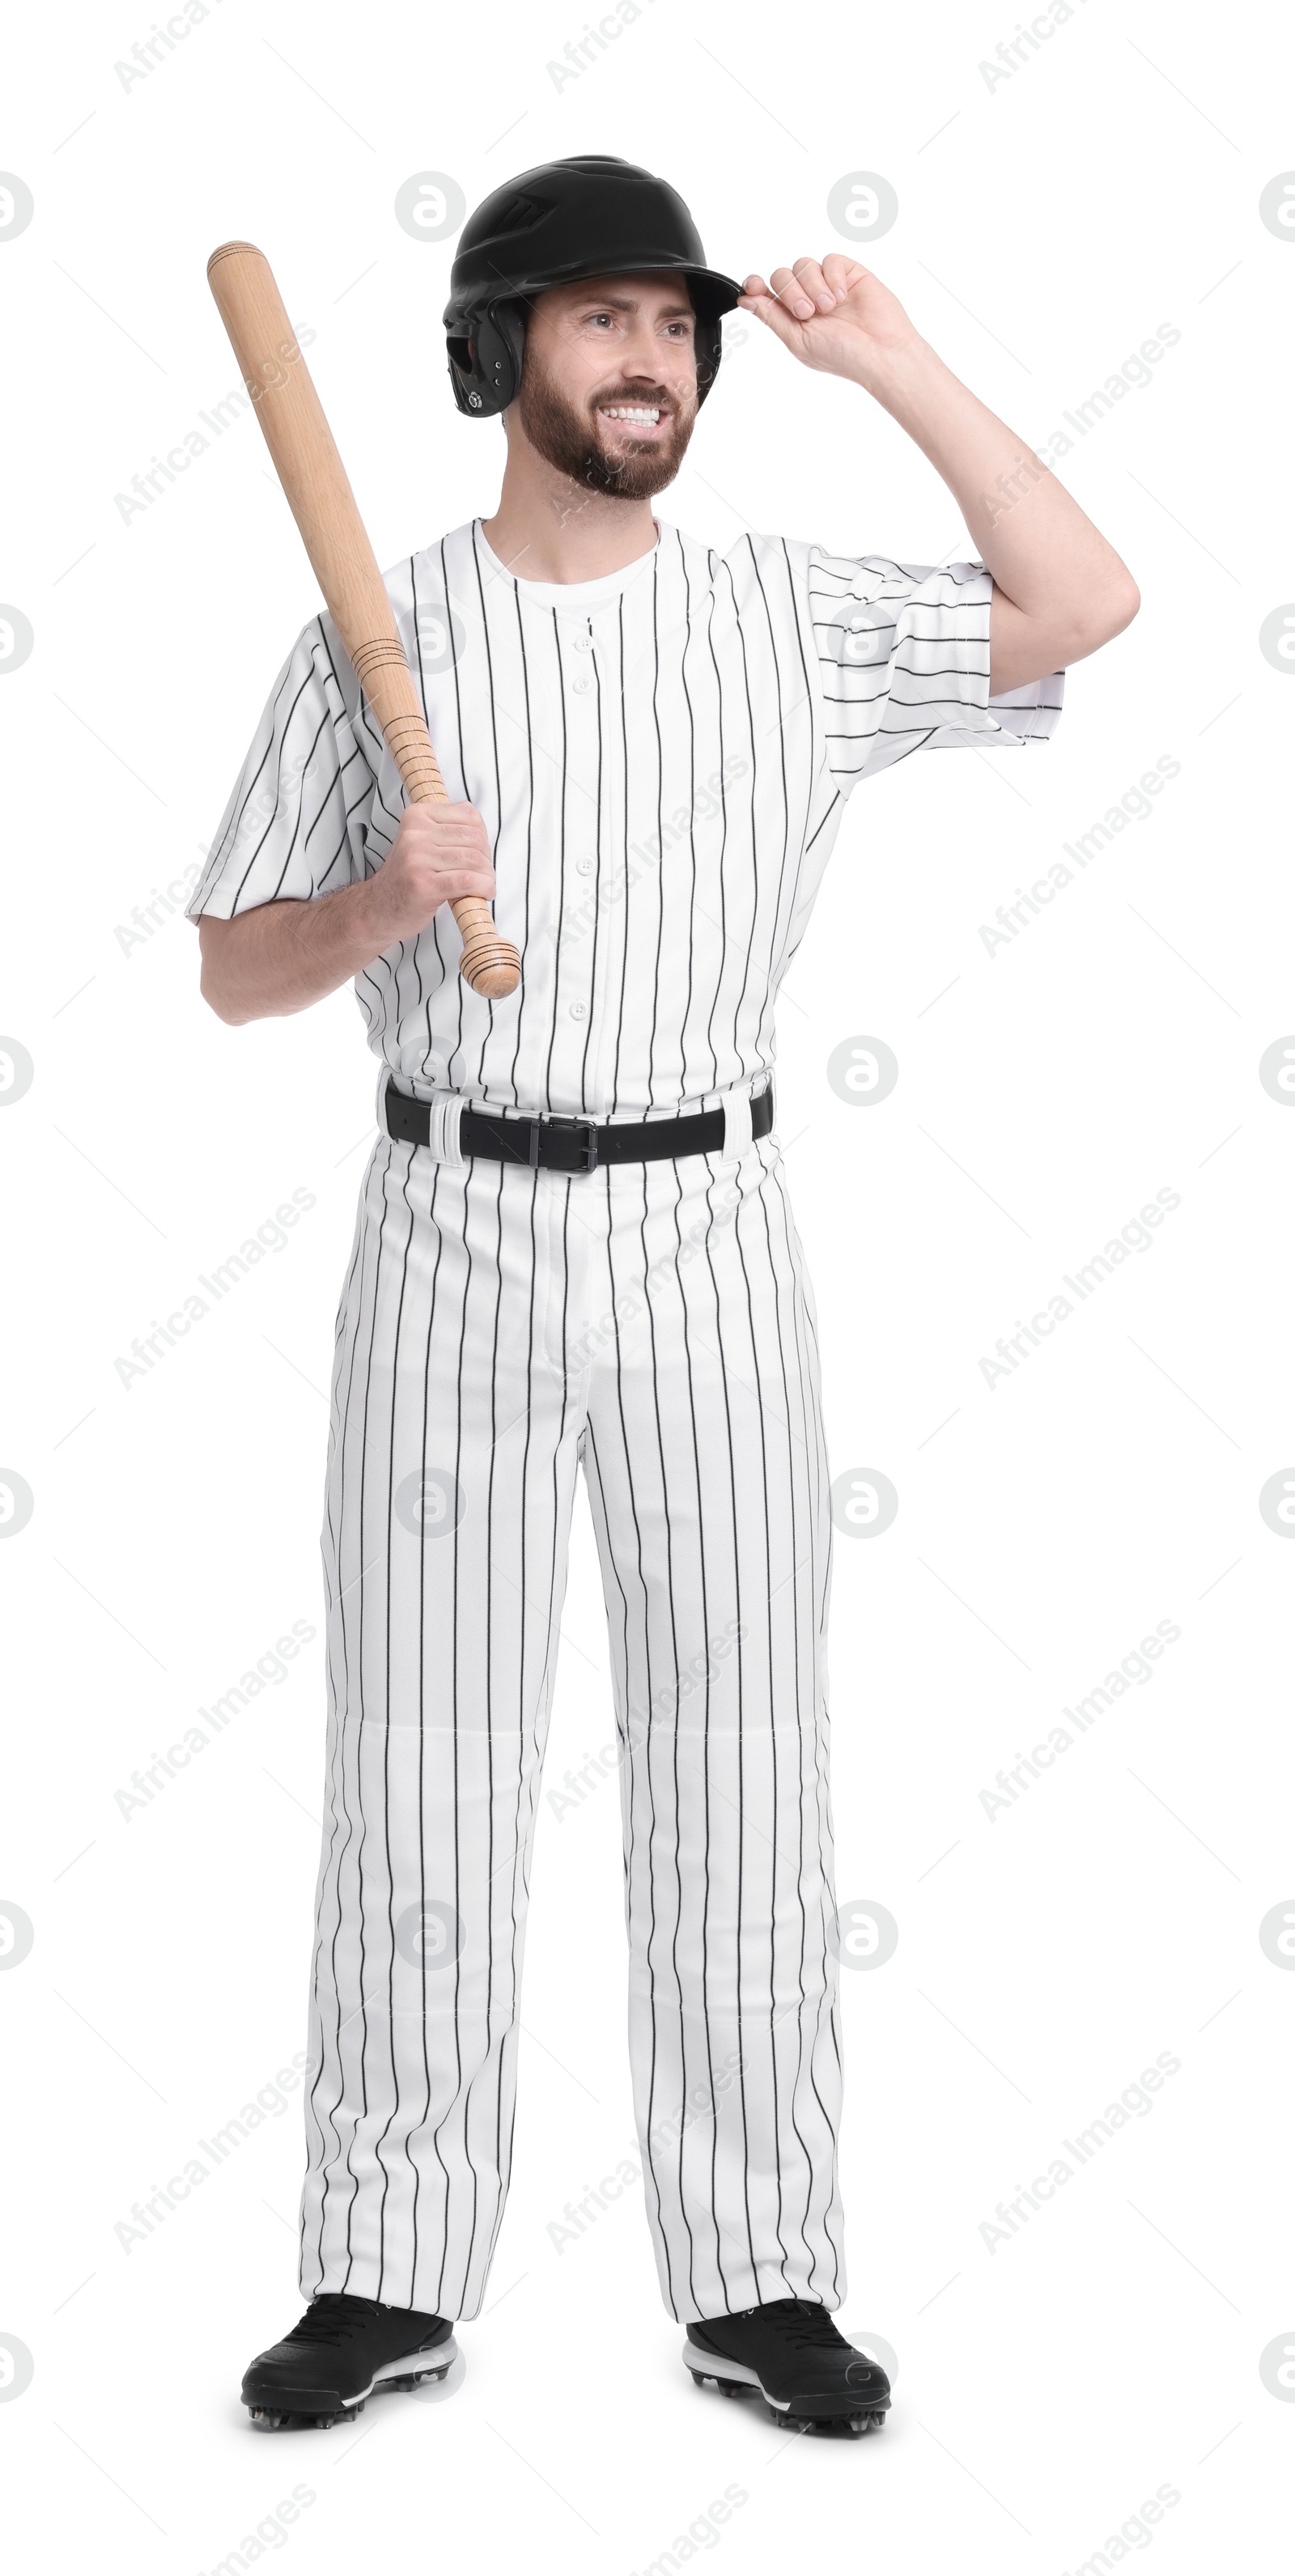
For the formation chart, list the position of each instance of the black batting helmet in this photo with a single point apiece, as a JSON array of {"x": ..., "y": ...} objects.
[{"x": 589, "y": 217}]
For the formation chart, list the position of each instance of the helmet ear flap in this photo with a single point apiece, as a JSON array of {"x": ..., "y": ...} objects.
[
  {"x": 708, "y": 342},
  {"x": 486, "y": 370}
]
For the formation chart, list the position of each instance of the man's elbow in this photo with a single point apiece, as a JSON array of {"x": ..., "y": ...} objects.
[
  {"x": 221, "y": 1002},
  {"x": 215, "y": 984},
  {"x": 1120, "y": 605},
  {"x": 1099, "y": 620}
]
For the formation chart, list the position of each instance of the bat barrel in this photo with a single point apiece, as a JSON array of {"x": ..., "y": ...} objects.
[{"x": 319, "y": 495}]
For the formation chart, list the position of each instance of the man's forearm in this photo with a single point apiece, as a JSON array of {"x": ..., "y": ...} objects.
[
  {"x": 283, "y": 956},
  {"x": 1059, "y": 590},
  {"x": 1044, "y": 554}
]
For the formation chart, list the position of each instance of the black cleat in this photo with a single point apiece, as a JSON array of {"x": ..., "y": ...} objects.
[
  {"x": 337, "y": 2355},
  {"x": 790, "y": 2353}
]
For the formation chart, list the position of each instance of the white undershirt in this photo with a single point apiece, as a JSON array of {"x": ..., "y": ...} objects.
[{"x": 579, "y": 596}]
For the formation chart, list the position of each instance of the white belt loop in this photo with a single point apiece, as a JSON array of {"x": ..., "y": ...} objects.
[
  {"x": 737, "y": 1107},
  {"x": 737, "y": 1121},
  {"x": 445, "y": 1119}
]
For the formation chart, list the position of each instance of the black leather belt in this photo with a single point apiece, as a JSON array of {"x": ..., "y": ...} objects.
[{"x": 552, "y": 1144}]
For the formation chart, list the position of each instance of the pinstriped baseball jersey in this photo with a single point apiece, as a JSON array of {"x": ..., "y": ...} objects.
[{"x": 662, "y": 760}]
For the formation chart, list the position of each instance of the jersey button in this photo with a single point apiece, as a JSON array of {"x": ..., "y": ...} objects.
[
  {"x": 582, "y": 683},
  {"x": 584, "y": 643},
  {"x": 585, "y": 866},
  {"x": 579, "y": 1010}
]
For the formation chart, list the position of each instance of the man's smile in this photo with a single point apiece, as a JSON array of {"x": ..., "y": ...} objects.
[{"x": 646, "y": 420}]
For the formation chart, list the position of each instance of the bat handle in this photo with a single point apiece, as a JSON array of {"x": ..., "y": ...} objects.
[{"x": 489, "y": 963}]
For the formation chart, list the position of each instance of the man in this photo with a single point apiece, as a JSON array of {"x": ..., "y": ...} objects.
[{"x": 575, "y": 1249}]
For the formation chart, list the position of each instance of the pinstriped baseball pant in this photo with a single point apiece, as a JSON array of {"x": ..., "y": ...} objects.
[{"x": 499, "y": 1329}]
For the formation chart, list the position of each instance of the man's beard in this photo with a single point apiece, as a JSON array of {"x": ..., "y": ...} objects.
[{"x": 569, "y": 440}]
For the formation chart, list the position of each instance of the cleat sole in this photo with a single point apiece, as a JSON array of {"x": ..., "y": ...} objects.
[
  {"x": 842, "y": 2417},
  {"x": 297, "y": 2410}
]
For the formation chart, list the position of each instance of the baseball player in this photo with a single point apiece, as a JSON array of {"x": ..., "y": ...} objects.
[{"x": 575, "y": 1252}]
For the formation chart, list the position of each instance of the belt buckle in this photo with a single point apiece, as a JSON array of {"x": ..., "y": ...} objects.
[{"x": 589, "y": 1145}]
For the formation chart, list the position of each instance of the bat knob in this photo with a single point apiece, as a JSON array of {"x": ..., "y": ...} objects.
[
  {"x": 498, "y": 973},
  {"x": 489, "y": 963}
]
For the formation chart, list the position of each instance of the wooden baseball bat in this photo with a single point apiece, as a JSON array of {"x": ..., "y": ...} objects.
[{"x": 324, "y": 506}]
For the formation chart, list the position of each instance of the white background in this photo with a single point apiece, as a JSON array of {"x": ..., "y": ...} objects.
[{"x": 1049, "y": 2383}]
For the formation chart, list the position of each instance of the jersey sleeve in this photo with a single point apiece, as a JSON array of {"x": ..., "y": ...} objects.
[
  {"x": 903, "y": 659},
  {"x": 295, "y": 824}
]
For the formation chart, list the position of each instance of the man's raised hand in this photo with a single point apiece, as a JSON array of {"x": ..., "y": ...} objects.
[{"x": 832, "y": 314}]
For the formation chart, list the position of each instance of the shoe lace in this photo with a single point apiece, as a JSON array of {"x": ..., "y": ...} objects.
[
  {"x": 803, "y": 2321},
  {"x": 329, "y": 2319}
]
